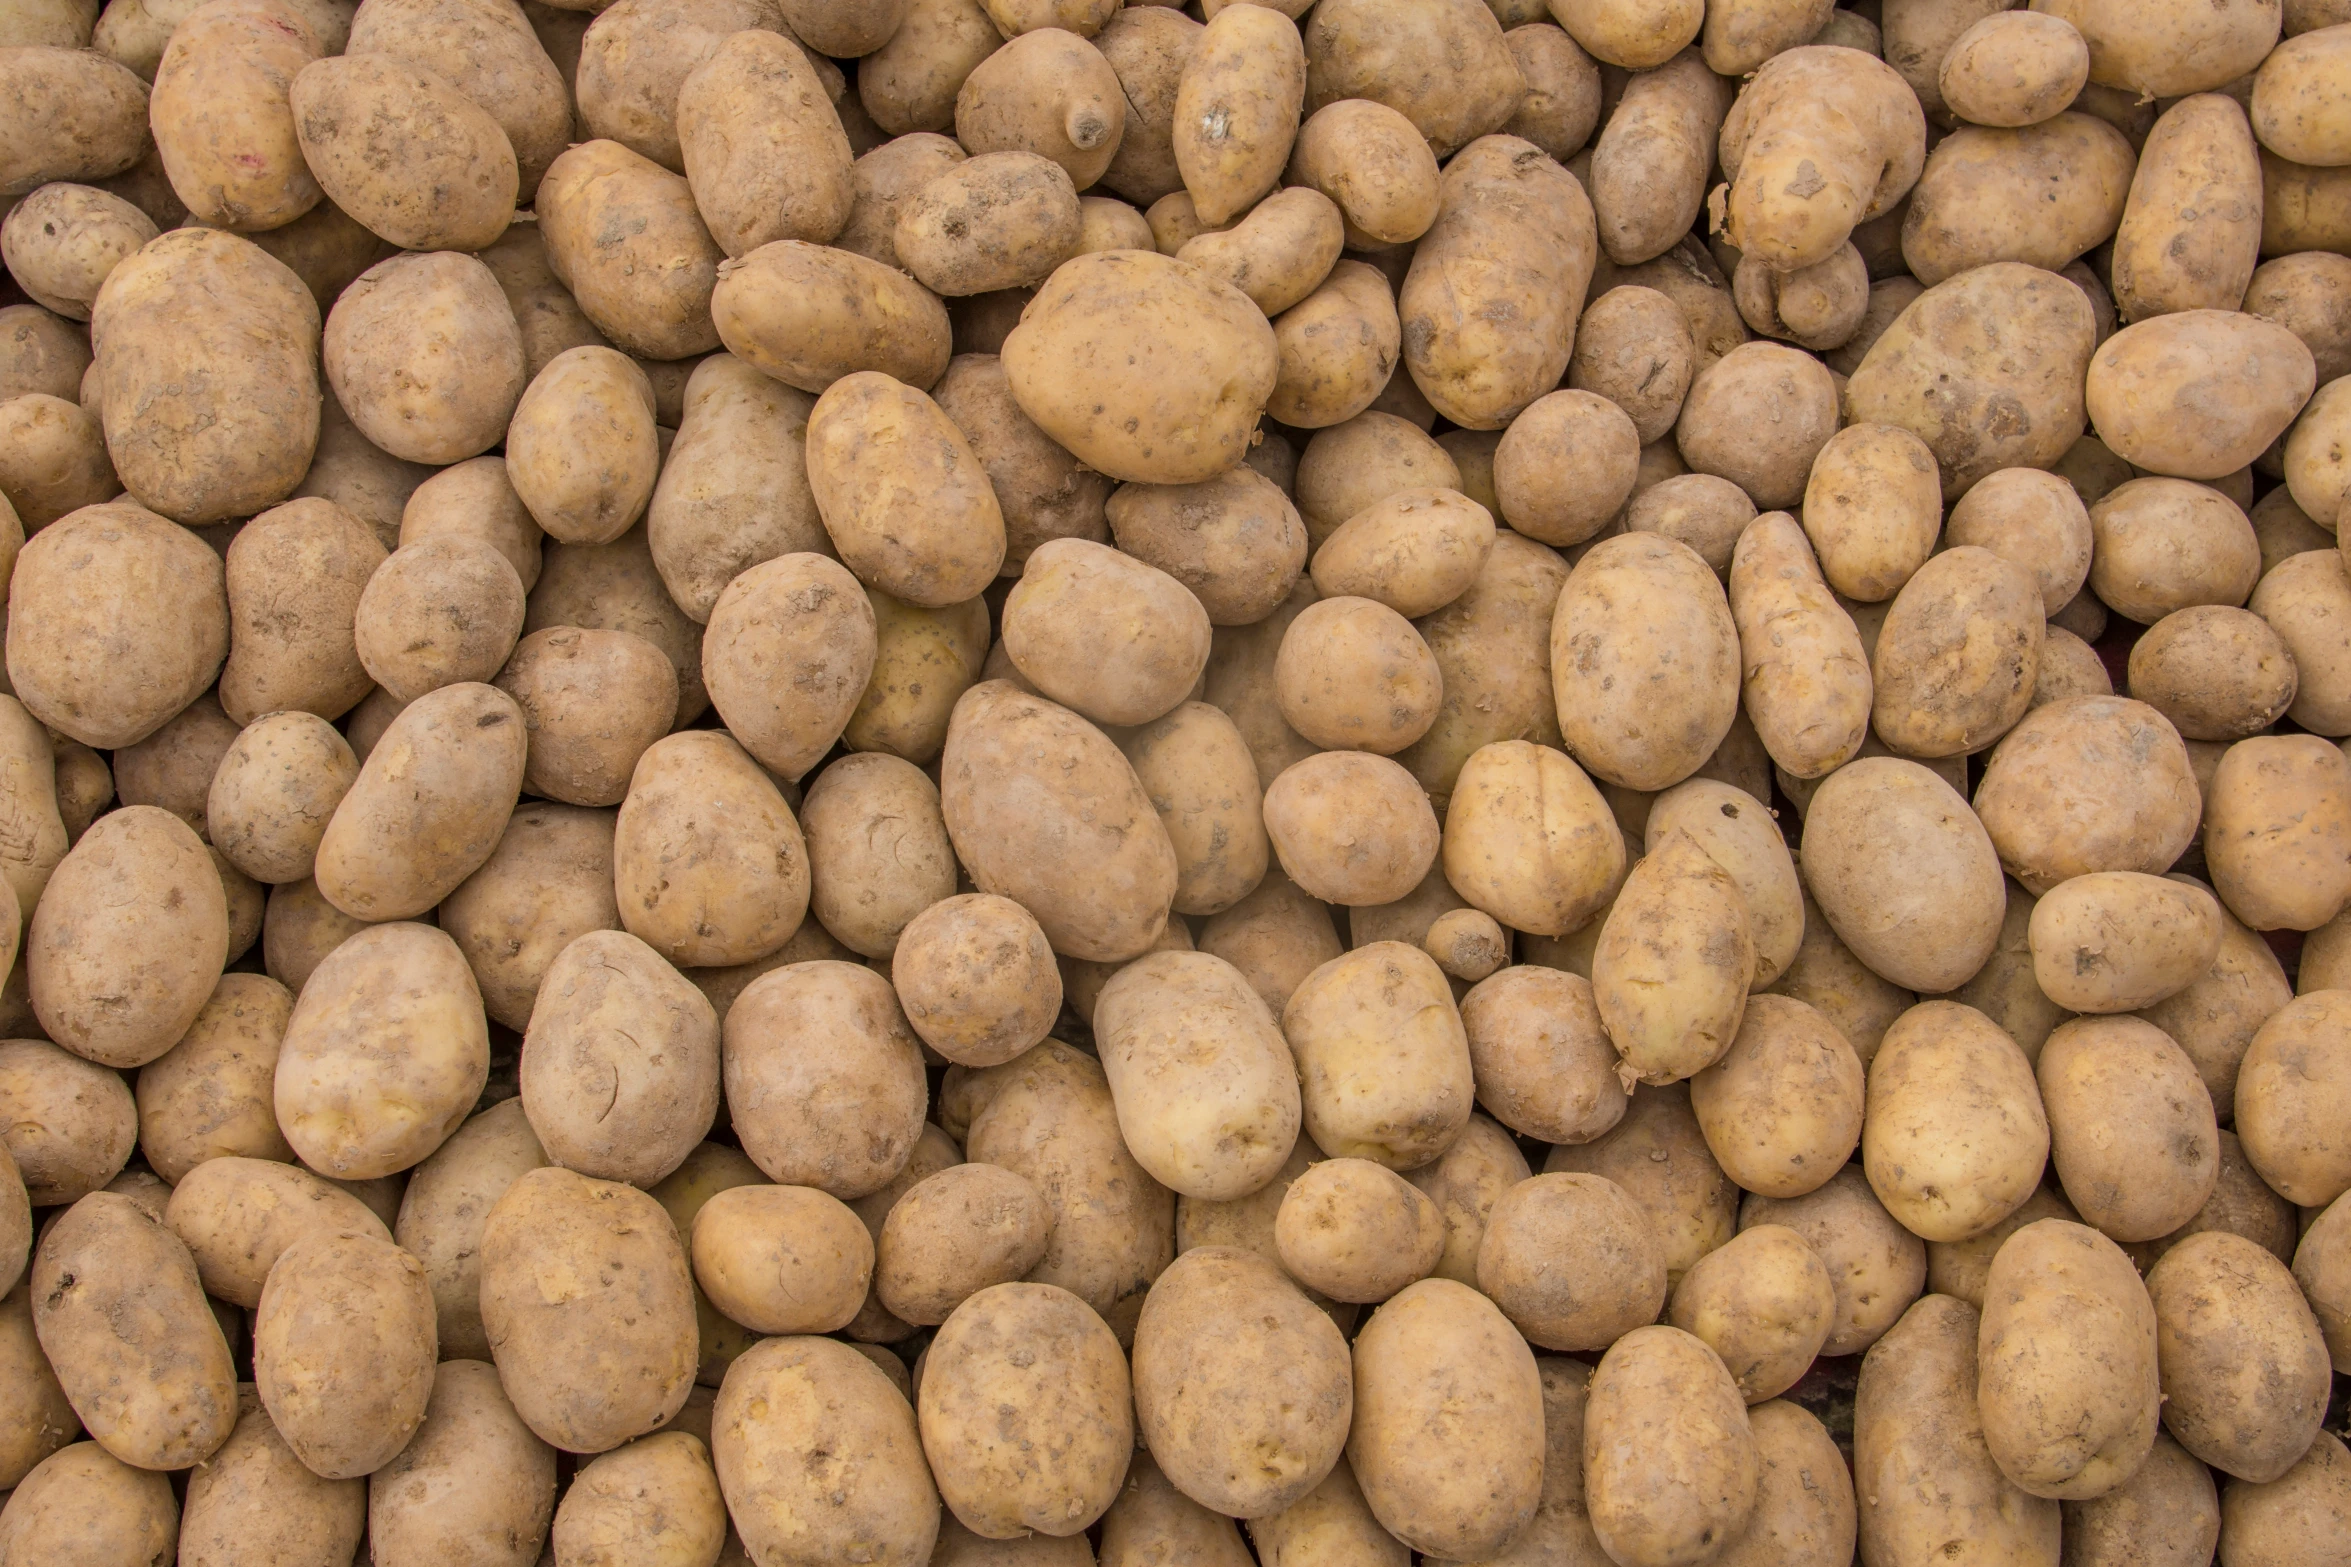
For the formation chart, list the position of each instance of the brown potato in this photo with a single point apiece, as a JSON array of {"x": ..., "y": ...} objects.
[
  {"x": 977, "y": 979},
  {"x": 297, "y": 657},
  {"x": 1072, "y": 584},
  {"x": 1763, "y": 1303},
  {"x": 1954, "y": 1138},
  {"x": 1529, "y": 841},
  {"x": 1394, "y": 836},
  {"x": 1876, "y": 1266},
  {"x": 1572, "y": 1260},
  {"x": 1648, "y": 170},
  {"x": 2163, "y": 545},
  {"x": 474, "y": 1467},
  {"x": 548, "y": 881},
  {"x": 734, "y": 489},
  {"x": 581, "y": 453},
  {"x": 1659, "y": 1388},
  {"x": 2288, "y": 1089},
  {"x": 844, "y": 1121},
  {"x": 1961, "y": 215},
  {"x": 1352, "y": 674},
  {"x": 1196, "y": 767},
  {"x": 438, "y": 613},
  {"x": 761, "y": 145},
  {"x": 1236, "y": 109},
  {"x": 2205, "y": 362},
  {"x": 620, "y": 1063},
  {"x": 1644, "y": 661},
  {"x": 789, "y": 651},
  {"x": 954, "y": 1234},
  {"x": 443, "y": 1208},
  {"x": 1782, "y": 1108},
  {"x": 76, "y": 115},
  {"x": 1383, "y": 1060},
  {"x": 704, "y": 830},
  {"x": 359, "y": 115},
  {"x": 62, "y": 241},
  {"x": 1146, "y": 46},
  {"x": 1364, "y": 49},
  {"x": 782, "y": 1259},
  {"x": 597, "y": 185},
  {"x": 343, "y": 1351},
  {"x": 1374, "y": 165},
  {"x": 2302, "y": 600},
  {"x": 2088, "y": 784},
  {"x": 1050, "y": 92},
  {"x": 1658, "y": 1154},
  {"x": 2244, "y": 1366},
  {"x": 2276, "y": 868},
  {"x": 454, "y": 759},
  {"x": 2117, "y": 941},
  {"x": 225, "y": 129}
]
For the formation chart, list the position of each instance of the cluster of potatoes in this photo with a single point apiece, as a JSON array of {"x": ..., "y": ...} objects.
[{"x": 1012, "y": 783}]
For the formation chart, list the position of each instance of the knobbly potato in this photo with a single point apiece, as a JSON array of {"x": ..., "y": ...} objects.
[
  {"x": 1353, "y": 675},
  {"x": 1049, "y": 92},
  {"x": 601, "y": 187},
  {"x": 1876, "y": 1266},
  {"x": 782, "y": 1259},
  {"x": 1863, "y": 164},
  {"x": 786, "y": 658},
  {"x": 128, "y": 939},
  {"x": 1503, "y": 198},
  {"x": 454, "y": 760},
  {"x": 589, "y": 1376},
  {"x": 1782, "y": 1108},
  {"x": 1954, "y": 1138},
  {"x": 954, "y": 1234},
  {"x": 1438, "y": 1353},
  {"x": 762, "y": 148},
  {"x": 343, "y": 1351},
  {"x": 2067, "y": 1377},
  {"x": 1356, "y": 1231},
  {"x": 2274, "y": 864},
  {"x": 473, "y": 1471},
  {"x": 734, "y": 490},
  {"x": 735, "y": 851},
  {"x": 210, "y": 1095},
  {"x": 237, "y": 1215},
  {"x": 1658, "y": 1154},
  {"x": 1001, "y": 220},
  {"x": 1392, "y": 837},
  {"x": 1919, "y": 1450},
  {"x": 1763, "y": 1303},
  {"x": 1037, "y": 1351},
  {"x": 123, "y": 1319},
  {"x": 1205, "y": 1398},
  {"x": 1572, "y": 1260},
  {"x": 1660, "y": 1389},
  {"x": 443, "y": 1208},
  {"x": 1384, "y": 1063},
  {"x": 2245, "y": 1369}
]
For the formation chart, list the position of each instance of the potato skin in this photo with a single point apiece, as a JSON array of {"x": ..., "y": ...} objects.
[
  {"x": 844, "y": 1120},
  {"x": 620, "y": 1073},
  {"x": 2191, "y": 231},
  {"x": 1383, "y": 1061},
  {"x": 1572, "y": 1260},
  {"x": 1036, "y": 1356},
  {"x": 1661, "y": 1389},
  {"x": 1673, "y": 961},
  {"x": 782, "y": 1259},
  {"x": 611, "y": 1355},
  {"x": 474, "y": 1473},
  {"x": 360, "y": 115},
  {"x": 657, "y": 1495},
  {"x": 2119, "y": 941},
  {"x": 1368, "y": 49},
  {"x": 1649, "y": 167},
  {"x": 581, "y": 452},
  {"x": 123, "y": 1320},
  {"x": 601, "y": 187},
  {"x": 83, "y": 1501},
  {"x": 2067, "y": 1362},
  {"x": 2290, "y": 1091},
  {"x": 2086, "y": 784},
  {"x": 255, "y": 1494},
  {"x": 2245, "y": 1368},
  {"x": 1954, "y": 1137},
  {"x": 2197, "y": 394},
  {"x": 343, "y": 1351},
  {"x": 1252, "y": 1424},
  {"x": 74, "y": 115},
  {"x": 952, "y": 1234},
  {"x": 1436, "y": 1355},
  {"x": 1763, "y": 1303},
  {"x": 1805, "y": 677},
  {"x": 301, "y": 656},
  {"x": 788, "y": 653},
  {"x": 734, "y": 489},
  {"x": 1782, "y": 1109}
]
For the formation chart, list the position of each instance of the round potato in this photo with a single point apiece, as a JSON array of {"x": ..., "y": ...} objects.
[
  {"x": 2216, "y": 672},
  {"x": 1070, "y": 584},
  {"x": 1543, "y": 1064},
  {"x": 1658, "y": 1154},
  {"x": 782, "y": 1259},
  {"x": 620, "y": 1062},
  {"x": 1572, "y": 1260},
  {"x": 2163, "y": 545},
  {"x": 977, "y": 979},
  {"x": 84, "y": 1501},
  {"x": 954, "y": 1234},
  {"x": 1929, "y": 925},
  {"x": 273, "y": 792},
  {"x": 1565, "y": 467},
  {"x": 1354, "y": 675},
  {"x": 358, "y": 116},
  {"x": 1356, "y": 1231}
]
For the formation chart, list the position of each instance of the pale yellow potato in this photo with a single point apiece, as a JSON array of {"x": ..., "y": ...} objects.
[
  {"x": 704, "y": 831},
  {"x": 654, "y": 1501},
  {"x": 62, "y": 241},
  {"x": 453, "y": 760},
  {"x": 2278, "y": 865},
  {"x": 1876, "y": 1266},
  {"x": 2302, "y": 600},
  {"x": 359, "y": 116},
  {"x": 85, "y": 1501},
  {"x": 1414, "y": 551},
  {"x": 1956, "y": 660},
  {"x": 1862, "y": 164},
  {"x": 1369, "y": 160},
  {"x": 1278, "y": 254},
  {"x": 224, "y": 127},
  {"x": 2131, "y": 1128},
  {"x": 883, "y": 178},
  {"x": 1389, "y": 841},
  {"x": 782, "y": 1259},
  {"x": 1353, "y": 675},
  {"x": 617, "y": 587},
  {"x": 173, "y": 767},
  {"x": 2164, "y": 545},
  {"x": 734, "y": 490},
  {"x": 1805, "y": 1507},
  {"x": 2088, "y": 784},
  {"x": 1644, "y": 661},
  {"x": 2245, "y": 1367},
  {"x": 1356, "y": 1231},
  {"x": 344, "y": 1350},
  {"x": 1658, "y": 1390},
  {"x": 1658, "y": 1154},
  {"x": 2118, "y": 941},
  {"x": 1195, "y": 766},
  {"x": 2033, "y": 519},
  {"x": 926, "y": 528},
  {"x": 2013, "y": 70},
  {"x": 1763, "y": 1303},
  {"x": 593, "y": 702},
  {"x": 2289, "y": 1092},
  {"x": 1737, "y": 832},
  {"x": 843, "y": 1119},
  {"x": 580, "y": 450},
  {"x": 1572, "y": 1260},
  {"x": 977, "y": 979},
  {"x": 1741, "y": 34},
  {"x": 761, "y": 144},
  {"x": 601, "y": 187},
  {"x": 1347, "y": 467},
  {"x": 1237, "y": 107},
  {"x": 474, "y": 1471},
  {"x": 1872, "y": 509},
  {"x": 2067, "y": 1376},
  {"x": 2163, "y": 55},
  {"x": 210, "y": 1095},
  {"x": 1330, "y": 1525},
  {"x": 269, "y": 800},
  {"x": 548, "y": 881},
  {"x": 877, "y": 849},
  {"x": 1383, "y": 1060},
  {"x": 1529, "y": 841},
  {"x": 123, "y": 1319},
  {"x": 236, "y": 1215},
  {"x": 2213, "y": 1019},
  {"x": 75, "y": 115},
  {"x": 438, "y": 613},
  {"x": 1926, "y": 917},
  {"x": 2192, "y": 229},
  {"x": 1782, "y": 1109},
  {"x": 1954, "y": 1138},
  {"x": 56, "y": 460},
  {"x": 1673, "y": 962},
  {"x": 1050, "y": 92},
  {"x": 924, "y": 660}
]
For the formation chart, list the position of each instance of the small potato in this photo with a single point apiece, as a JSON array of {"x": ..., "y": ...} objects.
[
  {"x": 1349, "y": 466},
  {"x": 2289, "y": 1095},
  {"x": 1658, "y": 1389},
  {"x": 580, "y": 449},
  {"x": 2303, "y": 602},
  {"x": 359, "y": 115},
  {"x": 2197, "y": 394},
  {"x": 762, "y": 146},
  {"x": 2163, "y": 545},
  {"x": 2033, "y": 519},
  {"x": 1782, "y": 1108},
  {"x": 223, "y": 126},
  {"x": 172, "y": 768},
  {"x": 129, "y": 938},
  {"x": 1818, "y": 307},
  {"x": 443, "y": 1208},
  {"x": 1572, "y": 1260},
  {"x": 2067, "y": 1375},
  {"x": 782, "y": 1259},
  {"x": 56, "y": 460},
  {"x": 1658, "y": 1154},
  {"x": 438, "y": 613},
  {"x": 1414, "y": 551},
  {"x": 977, "y": 979},
  {"x": 954, "y": 1234},
  {"x": 62, "y": 241},
  {"x": 343, "y": 1351},
  {"x": 1037, "y": 1351},
  {"x": 1649, "y": 169},
  {"x": 2118, "y": 941},
  {"x": 1565, "y": 467},
  {"x": 1383, "y": 1060},
  {"x": 1357, "y": 1231},
  {"x": 1462, "y": 1500},
  {"x": 651, "y": 291},
  {"x": 1954, "y": 1138},
  {"x": 2305, "y": 294},
  {"x": 653, "y": 1501},
  {"x": 2013, "y": 70},
  {"x": 1763, "y": 1303},
  {"x": 1644, "y": 661},
  {"x": 1353, "y": 675},
  {"x": 210, "y": 1095},
  {"x": 238, "y": 1215},
  {"x": 620, "y": 1063},
  {"x": 123, "y": 1320},
  {"x": 273, "y": 792},
  {"x": 473, "y": 1469},
  {"x": 1205, "y": 1397},
  {"x": 1873, "y": 510},
  {"x": 2244, "y": 1366},
  {"x": 588, "y": 1373},
  {"x": 2278, "y": 865},
  {"x": 84, "y": 1502},
  {"x": 454, "y": 761},
  {"x": 1388, "y": 844},
  {"x": 877, "y": 848}
]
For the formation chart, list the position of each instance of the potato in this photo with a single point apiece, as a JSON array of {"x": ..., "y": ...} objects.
[
  {"x": 1071, "y": 584},
  {"x": 2067, "y": 1379},
  {"x": 788, "y": 654},
  {"x": 1236, "y": 109},
  {"x": 2088, "y": 784},
  {"x": 254, "y": 1493},
  {"x": 65, "y": 239},
  {"x": 954, "y": 1234},
  {"x": 343, "y": 1351},
  {"x": 2191, "y": 232},
  {"x": 1865, "y": 166},
  {"x": 1963, "y": 216},
  {"x": 1659, "y": 1156},
  {"x": 423, "y": 353},
  {"x": 1321, "y": 684},
  {"x": 1954, "y": 1137},
  {"x": 2214, "y": 1018},
  {"x": 2157, "y": 391},
  {"x": 2164, "y": 545},
  {"x": 304, "y": 656},
  {"x": 1919, "y": 1449},
  {"x": 2304, "y": 294},
  {"x": 1572, "y": 1260},
  {"x": 782, "y": 1259},
  {"x": 475, "y": 1479},
  {"x": 237, "y": 1215},
  {"x": 977, "y": 979},
  {"x": 549, "y": 880},
  {"x": 1673, "y": 962},
  {"x": 1763, "y": 1303},
  {"x": 442, "y": 1211},
  {"x": 1356, "y": 1231},
  {"x": 1737, "y": 832},
  {"x": 761, "y": 145},
  {"x": 150, "y": 590},
  {"x": 1402, "y": 1100},
  {"x": 1435, "y": 1354},
  {"x": 1048, "y": 92},
  {"x": 2131, "y": 1134},
  {"x": 1947, "y": 921},
  {"x": 75, "y": 115},
  {"x": 1810, "y": 706},
  {"x": 56, "y": 461},
  {"x": 878, "y": 849},
  {"x": 271, "y": 796},
  {"x": 1661, "y": 1389},
  {"x": 1565, "y": 466},
  {"x": 2164, "y": 55},
  {"x": 1036, "y": 1355},
  {"x": 1348, "y": 467},
  {"x": 1529, "y": 840},
  {"x": 129, "y": 939},
  {"x": 1329, "y": 1525},
  {"x": 2275, "y": 866},
  {"x": 210, "y": 1095},
  {"x": 2251, "y": 1408},
  {"x": 122, "y": 1318},
  {"x": 2287, "y": 1089},
  {"x": 2012, "y": 71},
  {"x": 1875, "y": 1265},
  {"x": 2301, "y": 601},
  {"x": 599, "y": 187},
  {"x": 299, "y": 928},
  {"x": 844, "y": 1120},
  {"x": 225, "y": 129},
  {"x": 593, "y": 702},
  {"x": 2216, "y": 672},
  {"x": 438, "y": 613},
  {"x": 2118, "y": 941},
  {"x": 2269, "y": 1523},
  {"x": 2168, "y": 1512},
  {"x": 1367, "y": 158},
  {"x": 41, "y": 352},
  {"x": 580, "y": 451},
  {"x": 492, "y": 58},
  {"x": 82, "y": 1501},
  {"x": 655, "y": 1501},
  {"x": 361, "y": 114},
  {"x": 1649, "y": 168},
  {"x": 1196, "y": 767},
  {"x": 1276, "y": 936},
  {"x": 1392, "y": 838},
  {"x": 734, "y": 491},
  {"x": 703, "y": 830},
  {"x": 1001, "y": 220},
  {"x": 1782, "y": 1108},
  {"x": 1872, "y": 510},
  {"x": 940, "y": 549},
  {"x": 1935, "y": 371},
  {"x": 379, "y": 865},
  {"x": 588, "y": 1375},
  {"x": 1338, "y": 349},
  {"x": 2034, "y": 520},
  {"x": 1757, "y": 417},
  {"x": 1501, "y": 207},
  {"x": 631, "y": 71},
  {"x": 1644, "y": 661}
]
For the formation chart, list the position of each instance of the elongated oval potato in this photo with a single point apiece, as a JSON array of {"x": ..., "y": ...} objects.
[
  {"x": 924, "y": 527},
  {"x": 2197, "y": 394},
  {"x": 385, "y": 1055},
  {"x": 2290, "y": 1097},
  {"x": 709, "y": 862},
  {"x": 2117, "y": 941},
  {"x": 1918, "y": 1450},
  {"x": 1196, "y": 767},
  {"x": 124, "y": 1321},
  {"x": 1383, "y": 1061},
  {"x": 589, "y": 1307},
  {"x": 1650, "y": 165},
  {"x": 360, "y": 115},
  {"x": 2244, "y": 1366},
  {"x": 1957, "y": 656},
  {"x": 28, "y": 795},
  {"x": 649, "y": 291},
  {"x": 302, "y": 656},
  {"x": 1659, "y": 1390},
  {"x": 1089, "y": 858},
  {"x": 1415, "y": 551},
  {"x": 1051, "y": 1118},
  {"x": 1194, "y": 364},
  {"x": 129, "y": 938},
  {"x": 1782, "y": 1110},
  {"x": 1529, "y": 840},
  {"x": 788, "y": 653},
  {"x": 1027, "y": 1412},
  {"x": 1510, "y": 221},
  {"x": 1738, "y": 833},
  {"x": 877, "y": 849},
  {"x": 2066, "y": 1362},
  {"x": 1673, "y": 962},
  {"x": 581, "y": 451},
  {"x": 1068, "y": 585},
  {"x": 1003, "y": 220},
  {"x": 442, "y": 1210},
  {"x": 224, "y": 127},
  {"x": 1644, "y": 661},
  {"x": 734, "y": 490},
  {"x": 254, "y": 1493},
  {"x": 809, "y": 315},
  {"x": 1236, "y": 109},
  {"x": 215, "y": 406},
  {"x": 2278, "y": 865},
  {"x": 2191, "y": 231},
  {"x": 762, "y": 145},
  {"x": 472, "y": 1469},
  {"x": 1206, "y": 1091},
  {"x": 431, "y": 803},
  {"x": 1249, "y": 1423},
  {"x": 1805, "y": 676},
  {"x": 1440, "y": 1358},
  {"x": 343, "y": 1351},
  {"x": 824, "y": 1078},
  {"x": 1903, "y": 873},
  {"x": 1954, "y": 1138},
  {"x": 236, "y": 1215},
  {"x": 819, "y": 1456}
]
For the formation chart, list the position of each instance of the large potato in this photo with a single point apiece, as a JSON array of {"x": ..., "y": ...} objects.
[
  {"x": 2118, "y": 941},
  {"x": 2067, "y": 1371},
  {"x": 361, "y": 116},
  {"x": 709, "y": 862},
  {"x": 1800, "y": 179},
  {"x": 2087, "y": 784},
  {"x": 843, "y": 1117},
  {"x": 1954, "y": 1136},
  {"x": 1971, "y": 205},
  {"x": 1529, "y": 840},
  {"x": 1644, "y": 661},
  {"x": 343, "y": 1351},
  {"x": 2164, "y": 54},
  {"x": 1903, "y": 872},
  {"x": 2244, "y": 1366},
  {"x": 610, "y": 1353}
]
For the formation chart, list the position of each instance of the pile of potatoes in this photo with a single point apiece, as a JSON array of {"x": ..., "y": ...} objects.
[{"x": 1013, "y": 783}]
